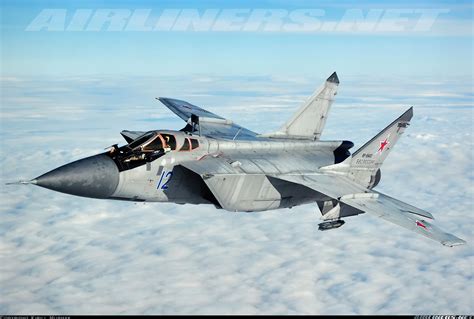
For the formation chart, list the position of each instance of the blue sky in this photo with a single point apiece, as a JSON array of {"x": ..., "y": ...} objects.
[{"x": 445, "y": 49}]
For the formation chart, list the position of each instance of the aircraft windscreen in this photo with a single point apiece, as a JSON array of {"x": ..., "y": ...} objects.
[{"x": 140, "y": 140}]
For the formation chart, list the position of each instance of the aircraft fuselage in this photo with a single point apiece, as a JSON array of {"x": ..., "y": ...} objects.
[{"x": 246, "y": 181}]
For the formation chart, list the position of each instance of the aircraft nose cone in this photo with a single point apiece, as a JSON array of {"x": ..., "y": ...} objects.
[{"x": 96, "y": 176}]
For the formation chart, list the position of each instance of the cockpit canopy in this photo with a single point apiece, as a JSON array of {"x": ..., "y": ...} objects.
[
  {"x": 149, "y": 147},
  {"x": 145, "y": 148}
]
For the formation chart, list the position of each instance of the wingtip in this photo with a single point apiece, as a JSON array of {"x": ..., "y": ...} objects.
[
  {"x": 454, "y": 242},
  {"x": 333, "y": 78}
]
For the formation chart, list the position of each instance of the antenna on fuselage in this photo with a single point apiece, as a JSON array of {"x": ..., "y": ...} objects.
[{"x": 195, "y": 121}]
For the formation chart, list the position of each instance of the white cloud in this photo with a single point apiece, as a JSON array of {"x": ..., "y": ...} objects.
[{"x": 64, "y": 254}]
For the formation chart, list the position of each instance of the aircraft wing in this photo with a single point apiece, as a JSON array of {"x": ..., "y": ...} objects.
[
  {"x": 374, "y": 203},
  {"x": 208, "y": 124},
  {"x": 353, "y": 198},
  {"x": 332, "y": 186},
  {"x": 401, "y": 214}
]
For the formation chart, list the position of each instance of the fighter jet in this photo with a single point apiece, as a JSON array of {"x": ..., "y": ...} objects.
[{"x": 213, "y": 160}]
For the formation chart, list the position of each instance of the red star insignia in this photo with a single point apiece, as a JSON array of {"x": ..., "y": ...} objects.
[
  {"x": 382, "y": 145},
  {"x": 420, "y": 224}
]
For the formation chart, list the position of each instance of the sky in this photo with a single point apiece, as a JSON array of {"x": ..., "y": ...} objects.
[
  {"x": 445, "y": 47},
  {"x": 66, "y": 95}
]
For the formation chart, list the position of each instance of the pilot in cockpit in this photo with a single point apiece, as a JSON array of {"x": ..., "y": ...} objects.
[{"x": 167, "y": 146}]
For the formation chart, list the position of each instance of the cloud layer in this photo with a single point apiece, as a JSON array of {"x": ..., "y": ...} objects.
[{"x": 64, "y": 254}]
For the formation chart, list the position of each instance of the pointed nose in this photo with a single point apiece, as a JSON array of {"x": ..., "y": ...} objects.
[{"x": 96, "y": 176}]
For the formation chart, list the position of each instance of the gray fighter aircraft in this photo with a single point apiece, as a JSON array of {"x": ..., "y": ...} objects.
[{"x": 213, "y": 160}]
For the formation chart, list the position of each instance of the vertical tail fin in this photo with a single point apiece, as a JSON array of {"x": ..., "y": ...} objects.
[
  {"x": 367, "y": 160},
  {"x": 308, "y": 122}
]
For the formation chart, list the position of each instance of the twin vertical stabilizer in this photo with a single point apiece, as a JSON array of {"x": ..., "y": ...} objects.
[
  {"x": 308, "y": 122},
  {"x": 366, "y": 161}
]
